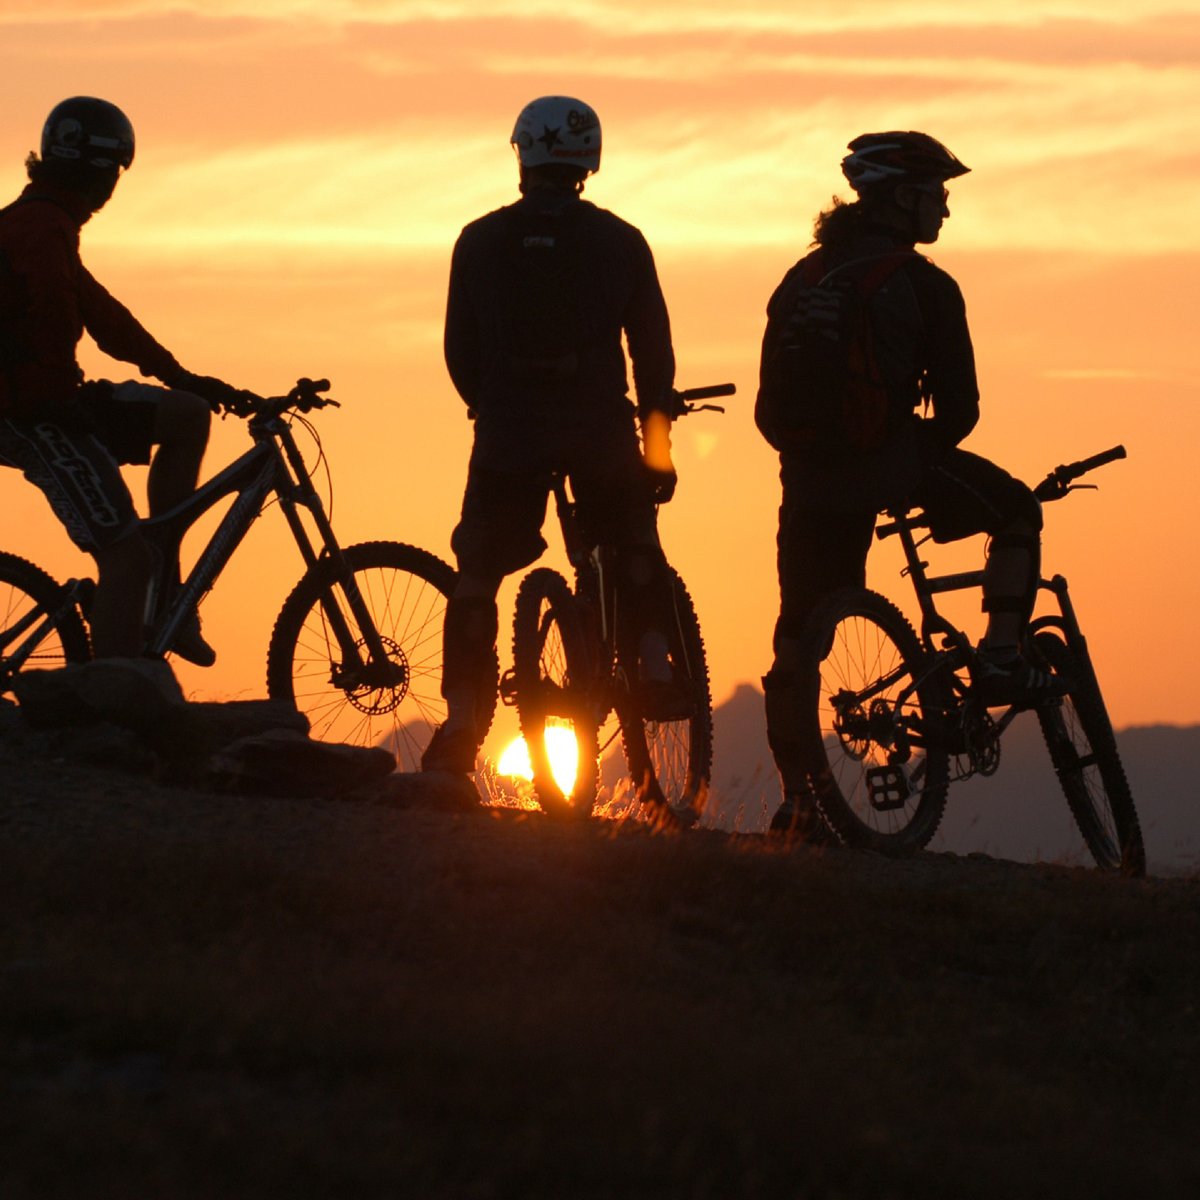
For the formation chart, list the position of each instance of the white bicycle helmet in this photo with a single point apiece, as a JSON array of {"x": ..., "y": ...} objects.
[{"x": 558, "y": 129}]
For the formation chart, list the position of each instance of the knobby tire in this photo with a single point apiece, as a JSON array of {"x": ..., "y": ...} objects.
[
  {"x": 670, "y": 762},
  {"x": 1083, "y": 749},
  {"x": 858, "y": 644},
  {"x": 555, "y": 691},
  {"x": 405, "y": 590}
]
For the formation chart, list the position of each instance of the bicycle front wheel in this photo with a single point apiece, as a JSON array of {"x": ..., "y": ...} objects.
[
  {"x": 877, "y": 767},
  {"x": 670, "y": 760},
  {"x": 554, "y": 689},
  {"x": 1083, "y": 749},
  {"x": 319, "y": 657},
  {"x": 27, "y": 596}
]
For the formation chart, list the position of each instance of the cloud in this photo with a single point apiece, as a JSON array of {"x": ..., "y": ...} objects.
[{"x": 349, "y": 126}]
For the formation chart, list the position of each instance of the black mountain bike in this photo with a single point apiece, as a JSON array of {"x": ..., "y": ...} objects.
[
  {"x": 357, "y": 645},
  {"x": 893, "y": 718},
  {"x": 571, "y": 671}
]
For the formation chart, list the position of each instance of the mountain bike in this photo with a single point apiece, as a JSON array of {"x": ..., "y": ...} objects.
[
  {"x": 357, "y": 644},
  {"x": 893, "y": 719},
  {"x": 572, "y": 669}
]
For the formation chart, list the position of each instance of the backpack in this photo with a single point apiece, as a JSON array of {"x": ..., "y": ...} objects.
[{"x": 821, "y": 386}]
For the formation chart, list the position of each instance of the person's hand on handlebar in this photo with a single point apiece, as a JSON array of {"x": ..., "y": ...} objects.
[{"x": 221, "y": 396}]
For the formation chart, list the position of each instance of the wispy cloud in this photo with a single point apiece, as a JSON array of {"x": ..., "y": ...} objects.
[{"x": 353, "y": 125}]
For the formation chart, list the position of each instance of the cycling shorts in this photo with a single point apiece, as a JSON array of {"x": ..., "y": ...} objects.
[
  {"x": 503, "y": 511},
  {"x": 75, "y": 458}
]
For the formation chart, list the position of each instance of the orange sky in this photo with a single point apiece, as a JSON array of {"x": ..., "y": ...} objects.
[{"x": 304, "y": 166}]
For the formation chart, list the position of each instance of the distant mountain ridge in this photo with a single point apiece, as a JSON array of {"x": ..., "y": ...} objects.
[{"x": 1017, "y": 814}]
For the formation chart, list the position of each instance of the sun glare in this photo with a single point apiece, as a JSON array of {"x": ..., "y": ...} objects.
[{"x": 560, "y": 745}]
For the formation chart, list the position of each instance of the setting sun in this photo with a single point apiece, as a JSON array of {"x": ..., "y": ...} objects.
[{"x": 560, "y": 746}]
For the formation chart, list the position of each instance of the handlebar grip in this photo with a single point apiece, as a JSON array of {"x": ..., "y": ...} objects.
[
  {"x": 707, "y": 393},
  {"x": 1098, "y": 460}
]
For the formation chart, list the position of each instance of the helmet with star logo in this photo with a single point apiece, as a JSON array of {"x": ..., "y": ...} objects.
[{"x": 558, "y": 129}]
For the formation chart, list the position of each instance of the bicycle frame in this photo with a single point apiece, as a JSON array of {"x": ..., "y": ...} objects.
[
  {"x": 596, "y": 583},
  {"x": 274, "y": 464},
  {"x": 956, "y": 649}
]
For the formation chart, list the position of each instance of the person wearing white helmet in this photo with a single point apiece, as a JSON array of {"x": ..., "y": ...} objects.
[
  {"x": 69, "y": 436},
  {"x": 837, "y": 478},
  {"x": 541, "y": 293}
]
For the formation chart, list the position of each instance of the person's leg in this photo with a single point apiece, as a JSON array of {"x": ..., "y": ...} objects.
[
  {"x": 144, "y": 423},
  {"x": 82, "y": 482},
  {"x": 819, "y": 550},
  {"x": 181, "y": 426},
  {"x": 964, "y": 494},
  {"x": 498, "y": 533},
  {"x": 118, "y": 608},
  {"x": 1010, "y": 578}
]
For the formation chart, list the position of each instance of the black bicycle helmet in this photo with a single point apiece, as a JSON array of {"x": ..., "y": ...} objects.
[
  {"x": 88, "y": 131},
  {"x": 898, "y": 156}
]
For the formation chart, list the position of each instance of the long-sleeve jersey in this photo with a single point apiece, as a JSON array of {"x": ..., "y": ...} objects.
[
  {"x": 541, "y": 292},
  {"x": 48, "y": 299}
]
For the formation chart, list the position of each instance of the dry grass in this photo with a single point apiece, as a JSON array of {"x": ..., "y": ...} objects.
[{"x": 203, "y": 996}]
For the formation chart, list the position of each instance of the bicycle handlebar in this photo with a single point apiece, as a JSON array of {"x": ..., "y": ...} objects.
[
  {"x": 304, "y": 397},
  {"x": 684, "y": 400},
  {"x": 1058, "y": 483}
]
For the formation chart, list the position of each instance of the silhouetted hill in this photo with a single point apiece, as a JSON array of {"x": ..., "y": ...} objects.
[{"x": 1018, "y": 814}]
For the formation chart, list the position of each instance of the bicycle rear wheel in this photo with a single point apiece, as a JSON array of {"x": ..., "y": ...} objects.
[
  {"x": 27, "y": 595},
  {"x": 670, "y": 761},
  {"x": 869, "y": 731},
  {"x": 346, "y": 697},
  {"x": 554, "y": 691},
  {"x": 1083, "y": 749}
]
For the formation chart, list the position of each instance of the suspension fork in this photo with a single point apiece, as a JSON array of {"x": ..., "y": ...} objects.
[{"x": 295, "y": 490}]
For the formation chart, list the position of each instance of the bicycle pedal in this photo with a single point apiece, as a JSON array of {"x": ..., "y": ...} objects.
[
  {"x": 508, "y": 687},
  {"x": 887, "y": 788}
]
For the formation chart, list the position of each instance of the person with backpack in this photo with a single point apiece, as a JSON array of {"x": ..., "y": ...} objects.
[
  {"x": 541, "y": 292},
  {"x": 68, "y": 435},
  {"x": 867, "y": 387}
]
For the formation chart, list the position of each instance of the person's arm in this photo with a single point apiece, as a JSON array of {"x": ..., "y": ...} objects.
[
  {"x": 119, "y": 334},
  {"x": 461, "y": 337},
  {"x": 648, "y": 333},
  {"x": 950, "y": 370}
]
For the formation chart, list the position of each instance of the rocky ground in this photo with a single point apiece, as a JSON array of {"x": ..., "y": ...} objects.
[{"x": 393, "y": 991}]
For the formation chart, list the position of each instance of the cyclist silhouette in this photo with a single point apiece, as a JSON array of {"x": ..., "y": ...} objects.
[
  {"x": 833, "y": 490},
  {"x": 69, "y": 436},
  {"x": 540, "y": 294}
]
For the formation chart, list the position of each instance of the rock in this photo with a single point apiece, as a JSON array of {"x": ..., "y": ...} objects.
[
  {"x": 443, "y": 791},
  {"x": 136, "y": 693},
  {"x": 284, "y": 762}
]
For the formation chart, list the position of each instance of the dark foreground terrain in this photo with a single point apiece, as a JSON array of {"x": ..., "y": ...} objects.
[{"x": 210, "y": 996}]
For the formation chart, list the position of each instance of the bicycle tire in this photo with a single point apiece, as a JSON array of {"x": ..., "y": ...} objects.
[
  {"x": 877, "y": 767},
  {"x": 1083, "y": 749},
  {"x": 25, "y": 589},
  {"x": 554, "y": 684},
  {"x": 405, "y": 589},
  {"x": 670, "y": 762}
]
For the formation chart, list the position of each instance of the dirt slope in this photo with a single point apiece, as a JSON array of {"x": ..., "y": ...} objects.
[{"x": 211, "y": 996}]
